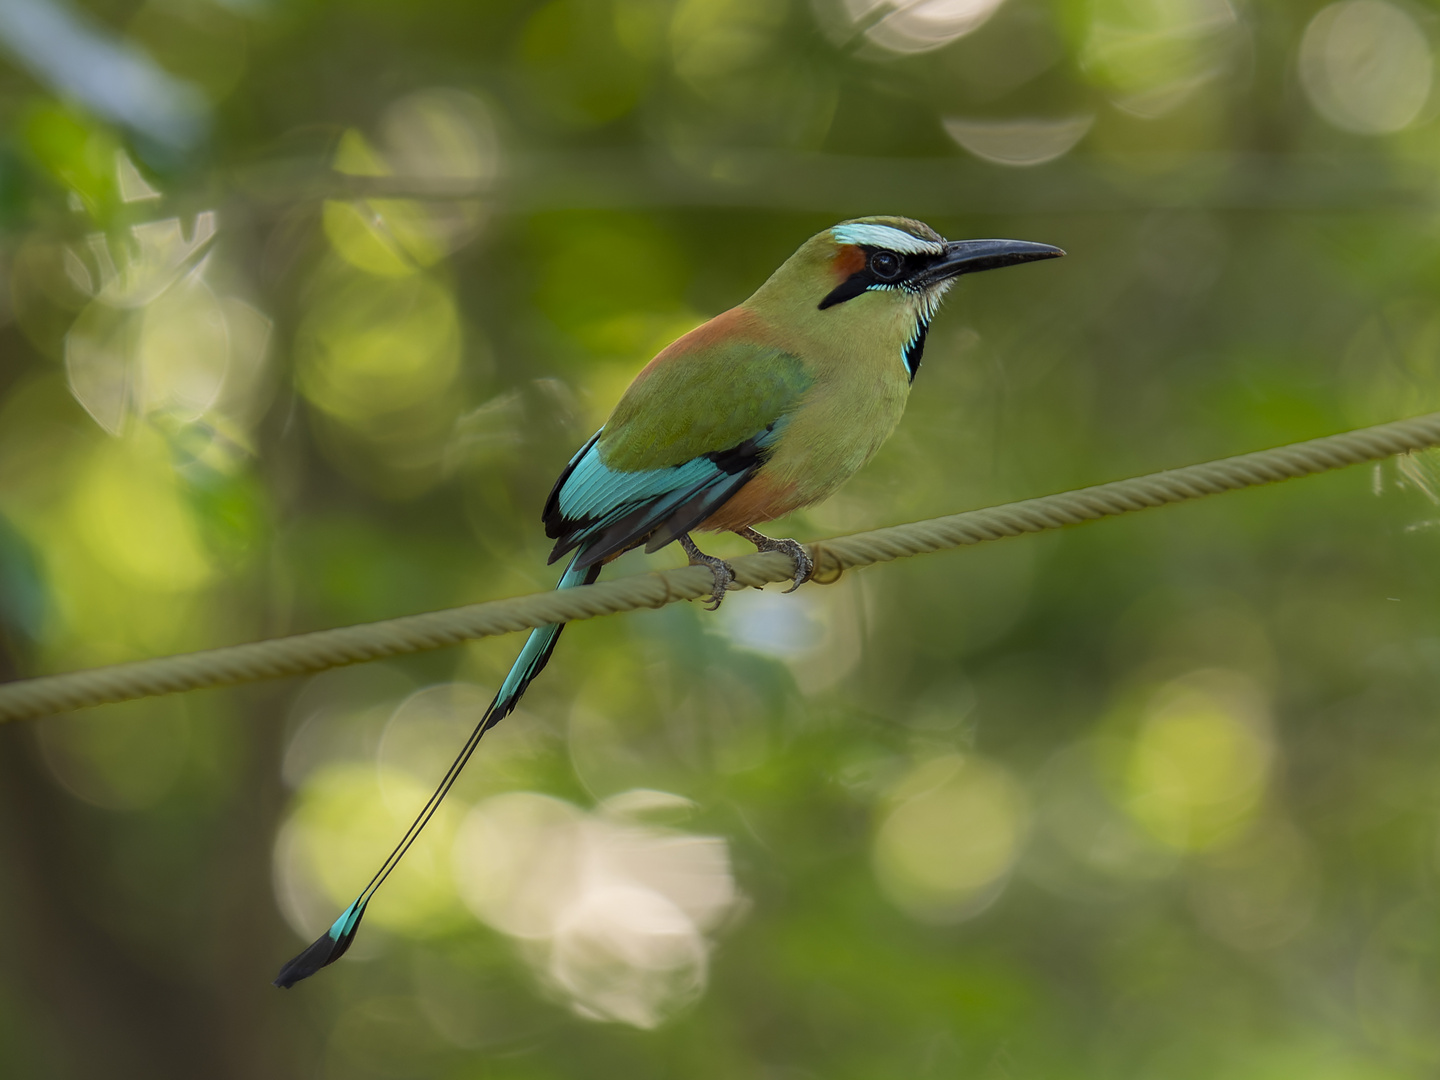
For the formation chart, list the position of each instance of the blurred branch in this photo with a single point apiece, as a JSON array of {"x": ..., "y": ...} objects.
[
  {"x": 817, "y": 183},
  {"x": 307, "y": 653},
  {"x": 821, "y": 182},
  {"x": 303, "y": 181}
]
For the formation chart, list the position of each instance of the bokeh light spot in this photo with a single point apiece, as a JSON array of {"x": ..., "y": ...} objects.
[
  {"x": 911, "y": 26},
  {"x": 131, "y": 185},
  {"x": 440, "y": 139},
  {"x": 628, "y": 954},
  {"x": 1366, "y": 66},
  {"x": 183, "y": 350},
  {"x": 422, "y": 733},
  {"x": 1198, "y": 767},
  {"x": 128, "y": 511},
  {"x": 387, "y": 237},
  {"x": 1021, "y": 141},
  {"x": 156, "y": 338},
  {"x": 133, "y": 275},
  {"x": 373, "y": 348},
  {"x": 820, "y": 638},
  {"x": 949, "y": 838},
  {"x": 516, "y": 856},
  {"x": 1085, "y": 845},
  {"x": 340, "y": 831},
  {"x": 712, "y": 39},
  {"x": 1154, "y": 55},
  {"x": 615, "y": 912},
  {"x": 98, "y": 366}
]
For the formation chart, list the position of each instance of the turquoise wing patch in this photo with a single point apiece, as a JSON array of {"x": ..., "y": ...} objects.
[{"x": 605, "y": 511}]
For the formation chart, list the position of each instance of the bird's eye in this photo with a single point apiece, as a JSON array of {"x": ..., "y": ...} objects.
[{"x": 886, "y": 265}]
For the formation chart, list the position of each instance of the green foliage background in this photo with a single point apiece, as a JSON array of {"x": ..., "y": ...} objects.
[{"x": 1155, "y": 797}]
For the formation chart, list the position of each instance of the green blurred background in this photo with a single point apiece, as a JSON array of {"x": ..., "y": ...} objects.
[{"x": 305, "y": 306}]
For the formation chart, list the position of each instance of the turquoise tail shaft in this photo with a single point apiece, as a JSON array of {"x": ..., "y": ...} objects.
[{"x": 331, "y": 945}]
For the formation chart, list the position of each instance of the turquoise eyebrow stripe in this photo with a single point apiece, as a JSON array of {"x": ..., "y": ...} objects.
[{"x": 884, "y": 236}]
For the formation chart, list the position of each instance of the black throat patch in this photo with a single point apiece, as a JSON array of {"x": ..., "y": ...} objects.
[{"x": 916, "y": 348}]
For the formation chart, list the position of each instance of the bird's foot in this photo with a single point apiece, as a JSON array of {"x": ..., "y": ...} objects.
[
  {"x": 719, "y": 567},
  {"x": 804, "y": 565}
]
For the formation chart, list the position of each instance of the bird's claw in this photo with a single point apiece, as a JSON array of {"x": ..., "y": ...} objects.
[
  {"x": 804, "y": 564},
  {"x": 718, "y": 567},
  {"x": 723, "y": 577}
]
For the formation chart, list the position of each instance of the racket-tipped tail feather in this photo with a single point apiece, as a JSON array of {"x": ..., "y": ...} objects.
[
  {"x": 326, "y": 949},
  {"x": 331, "y": 945}
]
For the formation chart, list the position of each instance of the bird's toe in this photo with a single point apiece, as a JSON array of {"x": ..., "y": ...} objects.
[
  {"x": 804, "y": 567},
  {"x": 804, "y": 564},
  {"x": 723, "y": 577}
]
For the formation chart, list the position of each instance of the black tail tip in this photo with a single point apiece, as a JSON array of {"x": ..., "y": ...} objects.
[{"x": 323, "y": 952}]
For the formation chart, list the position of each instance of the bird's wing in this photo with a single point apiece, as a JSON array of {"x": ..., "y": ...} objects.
[{"x": 687, "y": 435}]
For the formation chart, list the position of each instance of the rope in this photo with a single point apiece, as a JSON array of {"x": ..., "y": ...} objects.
[{"x": 303, "y": 654}]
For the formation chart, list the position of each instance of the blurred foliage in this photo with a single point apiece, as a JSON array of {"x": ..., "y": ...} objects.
[{"x": 306, "y": 305}]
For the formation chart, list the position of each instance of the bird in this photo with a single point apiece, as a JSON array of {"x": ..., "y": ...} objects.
[{"x": 763, "y": 410}]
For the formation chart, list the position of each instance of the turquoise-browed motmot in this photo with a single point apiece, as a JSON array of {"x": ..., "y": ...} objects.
[{"x": 765, "y": 409}]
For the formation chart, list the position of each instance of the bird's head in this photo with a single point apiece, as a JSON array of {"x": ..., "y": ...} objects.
[{"x": 877, "y": 278}]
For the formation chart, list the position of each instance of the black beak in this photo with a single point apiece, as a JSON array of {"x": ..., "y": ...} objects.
[{"x": 972, "y": 256}]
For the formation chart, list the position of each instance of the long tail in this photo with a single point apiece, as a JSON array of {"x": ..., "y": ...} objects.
[{"x": 331, "y": 945}]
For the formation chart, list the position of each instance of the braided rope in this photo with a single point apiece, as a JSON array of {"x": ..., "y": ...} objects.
[{"x": 306, "y": 653}]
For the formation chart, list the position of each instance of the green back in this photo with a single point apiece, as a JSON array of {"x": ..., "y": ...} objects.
[{"x": 701, "y": 402}]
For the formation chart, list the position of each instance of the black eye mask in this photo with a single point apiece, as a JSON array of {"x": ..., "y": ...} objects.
[{"x": 883, "y": 268}]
